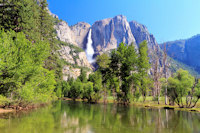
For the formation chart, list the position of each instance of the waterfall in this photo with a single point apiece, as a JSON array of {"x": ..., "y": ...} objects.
[{"x": 89, "y": 49}]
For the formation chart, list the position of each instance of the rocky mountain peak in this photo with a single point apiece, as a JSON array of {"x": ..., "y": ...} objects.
[
  {"x": 140, "y": 27},
  {"x": 120, "y": 18},
  {"x": 81, "y": 30},
  {"x": 108, "y": 33},
  {"x": 140, "y": 32}
]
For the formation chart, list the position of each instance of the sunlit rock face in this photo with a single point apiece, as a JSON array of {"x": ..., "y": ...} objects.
[
  {"x": 108, "y": 33},
  {"x": 79, "y": 58},
  {"x": 81, "y": 31},
  {"x": 64, "y": 33},
  {"x": 140, "y": 32}
]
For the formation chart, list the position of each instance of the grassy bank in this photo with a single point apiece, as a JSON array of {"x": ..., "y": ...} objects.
[{"x": 149, "y": 103}]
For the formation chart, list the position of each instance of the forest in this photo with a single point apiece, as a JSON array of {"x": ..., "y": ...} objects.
[{"x": 31, "y": 70}]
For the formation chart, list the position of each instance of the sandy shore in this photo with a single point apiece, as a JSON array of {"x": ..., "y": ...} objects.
[{"x": 6, "y": 110}]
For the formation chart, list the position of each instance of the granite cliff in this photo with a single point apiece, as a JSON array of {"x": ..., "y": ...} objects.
[
  {"x": 106, "y": 33},
  {"x": 75, "y": 59},
  {"x": 141, "y": 33}
]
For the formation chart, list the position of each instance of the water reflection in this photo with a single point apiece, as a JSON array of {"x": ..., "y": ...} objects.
[{"x": 76, "y": 117}]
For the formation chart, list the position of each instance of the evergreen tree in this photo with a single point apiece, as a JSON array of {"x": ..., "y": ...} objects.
[
  {"x": 46, "y": 24},
  {"x": 66, "y": 89},
  {"x": 143, "y": 67},
  {"x": 76, "y": 89},
  {"x": 83, "y": 76},
  {"x": 21, "y": 16},
  {"x": 87, "y": 91},
  {"x": 96, "y": 78},
  {"x": 71, "y": 81},
  {"x": 103, "y": 62},
  {"x": 128, "y": 60}
]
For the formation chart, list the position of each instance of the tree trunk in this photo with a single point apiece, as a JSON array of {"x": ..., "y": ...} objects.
[{"x": 195, "y": 103}]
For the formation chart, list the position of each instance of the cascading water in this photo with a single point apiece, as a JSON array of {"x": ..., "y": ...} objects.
[{"x": 89, "y": 50}]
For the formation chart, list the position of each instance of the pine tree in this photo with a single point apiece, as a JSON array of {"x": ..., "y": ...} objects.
[
  {"x": 83, "y": 76},
  {"x": 46, "y": 24},
  {"x": 144, "y": 66},
  {"x": 21, "y": 16}
]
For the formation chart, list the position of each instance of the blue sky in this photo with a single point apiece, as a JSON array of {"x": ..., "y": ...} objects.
[{"x": 167, "y": 20}]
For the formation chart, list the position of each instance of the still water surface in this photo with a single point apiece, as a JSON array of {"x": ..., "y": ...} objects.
[{"x": 79, "y": 117}]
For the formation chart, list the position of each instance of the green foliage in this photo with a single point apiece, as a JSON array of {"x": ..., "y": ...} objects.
[
  {"x": 58, "y": 92},
  {"x": 96, "y": 79},
  {"x": 127, "y": 58},
  {"x": 103, "y": 61},
  {"x": 21, "y": 16},
  {"x": 179, "y": 86},
  {"x": 87, "y": 90},
  {"x": 66, "y": 88},
  {"x": 144, "y": 66},
  {"x": 83, "y": 76},
  {"x": 197, "y": 90},
  {"x": 137, "y": 94},
  {"x": 22, "y": 75},
  {"x": 71, "y": 81},
  {"x": 3, "y": 100},
  {"x": 76, "y": 89}
]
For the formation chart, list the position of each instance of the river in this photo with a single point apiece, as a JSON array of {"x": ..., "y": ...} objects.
[{"x": 80, "y": 117}]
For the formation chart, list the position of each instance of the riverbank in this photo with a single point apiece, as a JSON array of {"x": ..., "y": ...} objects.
[
  {"x": 150, "y": 104},
  {"x": 20, "y": 107},
  {"x": 6, "y": 110}
]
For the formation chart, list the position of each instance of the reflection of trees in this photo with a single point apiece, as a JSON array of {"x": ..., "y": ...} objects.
[
  {"x": 40, "y": 121},
  {"x": 74, "y": 117},
  {"x": 113, "y": 118}
]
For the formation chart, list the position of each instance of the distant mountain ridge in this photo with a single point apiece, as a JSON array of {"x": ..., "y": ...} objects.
[{"x": 186, "y": 51}]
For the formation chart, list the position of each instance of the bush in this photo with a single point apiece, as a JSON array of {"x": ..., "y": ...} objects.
[{"x": 3, "y": 100}]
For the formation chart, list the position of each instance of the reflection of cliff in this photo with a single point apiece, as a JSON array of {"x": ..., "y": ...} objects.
[{"x": 72, "y": 124}]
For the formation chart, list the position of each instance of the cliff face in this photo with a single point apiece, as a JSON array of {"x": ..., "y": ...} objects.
[
  {"x": 64, "y": 33},
  {"x": 108, "y": 33},
  {"x": 176, "y": 50},
  {"x": 80, "y": 31},
  {"x": 73, "y": 58},
  {"x": 192, "y": 50},
  {"x": 186, "y": 51},
  {"x": 140, "y": 32}
]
